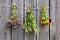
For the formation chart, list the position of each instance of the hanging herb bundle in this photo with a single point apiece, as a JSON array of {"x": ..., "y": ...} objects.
[
  {"x": 14, "y": 19},
  {"x": 44, "y": 18},
  {"x": 30, "y": 24}
]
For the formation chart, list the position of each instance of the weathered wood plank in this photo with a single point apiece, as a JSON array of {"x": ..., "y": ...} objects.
[
  {"x": 37, "y": 19},
  {"x": 17, "y": 34},
  {"x": 57, "y": 19},
  {"x": 52, "y": 15},
  {"x": 0, "y": 20},
  {"x": 34, "y": 3},
  {"x": 30, "y": 36},
  {"x": 44, "y": 30},
  {"x": 5, "y": 10}
]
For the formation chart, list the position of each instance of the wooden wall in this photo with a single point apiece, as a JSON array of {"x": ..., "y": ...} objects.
[{"x": 47, "y": 32}]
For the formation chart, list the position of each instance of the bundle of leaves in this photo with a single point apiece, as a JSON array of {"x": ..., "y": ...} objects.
[
  {"x": 30, "y": 24},
  {"x": 44, "y": 18},
  {"x": 14, "y": 19}
]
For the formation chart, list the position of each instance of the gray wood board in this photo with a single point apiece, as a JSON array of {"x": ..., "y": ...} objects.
[
  {"x": 52, "y": 16},
  {"x": 44, "y": 29},
  {"x": 57, "y": 19},
  {"x": 17, "y": 34},
  {"x": 5, "y": 10},
  {"x": 30, "y": 36}
]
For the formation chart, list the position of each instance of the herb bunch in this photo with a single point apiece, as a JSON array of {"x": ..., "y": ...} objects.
[
  {"x": 30, "y": 24},
  {"x": 14, "y": 19},
  {"x": 44, "y": 18}
]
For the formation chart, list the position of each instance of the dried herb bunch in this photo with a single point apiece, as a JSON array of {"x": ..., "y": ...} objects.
[
  {"x": 30, "y": 24},
  {"x": 14, "y": 19}
]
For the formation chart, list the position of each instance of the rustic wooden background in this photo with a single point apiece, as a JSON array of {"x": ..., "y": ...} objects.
[{"x": 47, "y": 32}]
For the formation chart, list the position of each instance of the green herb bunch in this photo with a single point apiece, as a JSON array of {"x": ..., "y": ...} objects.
[
  {"x": 44, "y": 18},
  {"x": 30, "y": 24}
]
